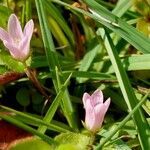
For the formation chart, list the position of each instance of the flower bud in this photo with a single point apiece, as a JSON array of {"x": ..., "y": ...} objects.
[{"x": 95, "y": 110}]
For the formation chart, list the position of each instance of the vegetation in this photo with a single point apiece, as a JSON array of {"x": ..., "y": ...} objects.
[{"x": 76, "y": 48}]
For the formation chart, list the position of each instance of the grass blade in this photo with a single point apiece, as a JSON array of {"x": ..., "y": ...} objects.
[
  {"x": 124, "y": 30},
  {"x": 121, "y": 7},
  {"x": 53, "y": 62},
  {"x": 27, "y": 128},
  {"x": 52, "y": 109},
  {"x": 58, "y": 16},
  {"x": 122, "y": 123},
  {"x": 28, "y": 119},
  {"x": 128, "y": 93},
  {"x": 117, "y": 25}
]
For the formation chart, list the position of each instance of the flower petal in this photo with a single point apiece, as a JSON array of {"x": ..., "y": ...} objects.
[
  {"x": 97, "y": 97},
  {"x": 99, "y": 112},
  {"x": 14, "y": 28},
  {"x": 89, "y": 115},
  {"x": 28, "y": 29},
  {"x": 24, "y": 47},
  {"x": 85, "y": 99},
  {"x": 107, "y": 103},
  {"x": 4, "y": 36},
  {"x": 14, "y": 51}
]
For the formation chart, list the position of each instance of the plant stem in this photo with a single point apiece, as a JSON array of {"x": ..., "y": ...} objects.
[{"x": 31, "y": 74}]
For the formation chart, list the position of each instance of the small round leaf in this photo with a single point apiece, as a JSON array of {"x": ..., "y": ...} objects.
[{"x": 23, "y": 97}]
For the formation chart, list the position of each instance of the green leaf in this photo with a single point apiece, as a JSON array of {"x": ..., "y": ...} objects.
[
  {"x": 75, "y": 140},
  {"x": 4, "y": 13},
  {"x": 113, "y": 132},
  {"x": 54, "y": 62},
  {"x": 37, "y": 98},
  {"x": 68, "y": 146},
  {"x": 87, "y": 60},
  {"x": 18, "y": 123},
  {"x": 55, "y": 12},
  {"x": 34, "y": 120},
  {"x": 120, "y": 27},
  {"x": 23, "y": 97},
  {"x": 3, "y": 69},
  {"x": 135, "y": 62},
  {"x": 128, "y": 92},
  {"x": 30, "y": 144},
  {"x": 52, "y": 109},
  {"x": 120, "y": 145},
  {"x": 12, "y": 64},
  {"x": 121, "y": 7},
  {"x": 114, "y": 23}
]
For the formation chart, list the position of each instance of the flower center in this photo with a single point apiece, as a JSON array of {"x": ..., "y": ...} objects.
[{"x": 17, "y": 40}]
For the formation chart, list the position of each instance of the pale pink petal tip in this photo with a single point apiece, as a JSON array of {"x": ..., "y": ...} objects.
[
  {"x": 4, "y": 36},
  {"x": 86, "y": 96},
  {"x": 14, "y": 27},
  {"x": 97, "y": 97},
  {"x": 28, "y": 29},
  {"x": 107, "y": 102}
]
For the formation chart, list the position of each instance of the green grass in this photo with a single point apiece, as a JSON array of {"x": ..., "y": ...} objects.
[{"x": 79, "y": 48}]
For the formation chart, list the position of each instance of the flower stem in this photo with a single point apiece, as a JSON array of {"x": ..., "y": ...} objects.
[{"x": 31, "y": 74}]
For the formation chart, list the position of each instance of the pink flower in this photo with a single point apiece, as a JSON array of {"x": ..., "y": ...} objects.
[
  {"x": 16, "y": 40},
  {"x": 95, "y": 110}
]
